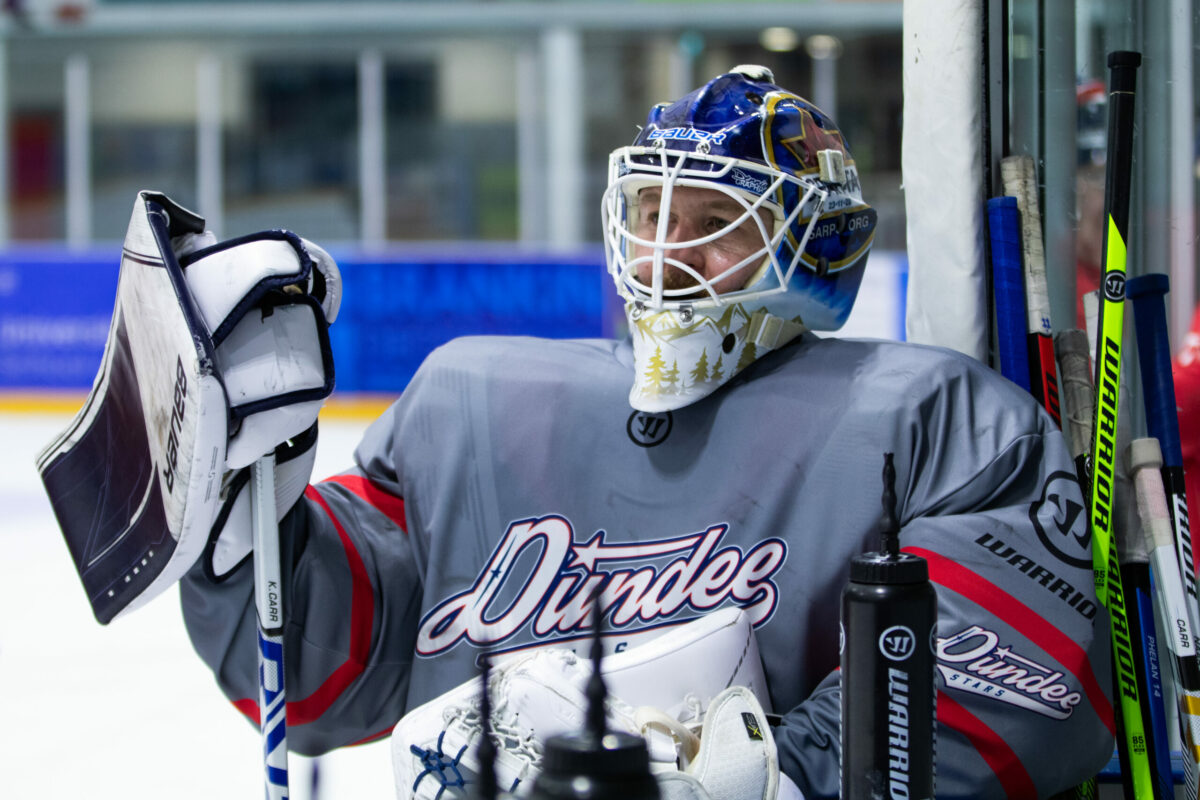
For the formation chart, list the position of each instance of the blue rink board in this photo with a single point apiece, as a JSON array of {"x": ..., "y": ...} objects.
[
  {"x": 397, "y": 306},
  {"x": 55, "y": 306}
]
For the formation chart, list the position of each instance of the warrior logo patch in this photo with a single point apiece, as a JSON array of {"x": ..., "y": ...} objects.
[
  {"x": 897, "y": 643},
  {"x": 647, "y": 429},
  {"x": 1060, "y": 521},
  {"x": 1114, "y": 286}
]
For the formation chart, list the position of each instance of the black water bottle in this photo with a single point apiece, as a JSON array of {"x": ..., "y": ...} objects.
[{"x": 889, "y": 618}]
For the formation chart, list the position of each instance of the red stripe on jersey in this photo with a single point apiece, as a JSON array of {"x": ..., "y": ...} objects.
[
  {"x": 374, "y": 737},
  {"x": 249, "y": 708},
  {"x": 391, "y": 505},
  {"x": 362, "y": 620},
  {"x": 995, "y": 751},
  {"x": 1037, "y": 629}
]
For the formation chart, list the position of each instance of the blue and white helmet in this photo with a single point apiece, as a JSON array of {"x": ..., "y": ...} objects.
[{"x": 786, "y": 165}]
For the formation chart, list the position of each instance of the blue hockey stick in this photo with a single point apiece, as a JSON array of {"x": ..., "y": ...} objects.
[{"x": 268, "y": 599}]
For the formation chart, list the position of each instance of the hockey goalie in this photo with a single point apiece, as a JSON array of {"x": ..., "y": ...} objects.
[{"x": 708, "y": 477}]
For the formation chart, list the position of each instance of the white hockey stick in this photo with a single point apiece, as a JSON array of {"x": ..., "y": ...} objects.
[
  {"x": 268, "y": 599},
  {"x": 1019, "y": 174},
  {"x": 1145, "y": 465}
]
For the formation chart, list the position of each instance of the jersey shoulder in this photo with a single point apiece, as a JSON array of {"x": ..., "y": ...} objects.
[
  {"x": 508, "y": 374},
  {"x": 894, "y": 362},
  {"x": 890, "y": 374},
  {"x": 497, "y": 354}
]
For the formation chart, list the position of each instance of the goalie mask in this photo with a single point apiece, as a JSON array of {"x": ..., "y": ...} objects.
[{"x": 733, "y": 223}]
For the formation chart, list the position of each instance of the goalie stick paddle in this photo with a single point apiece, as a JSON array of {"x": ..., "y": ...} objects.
[
  {"x": 1004, "y": 236},
  {"x": 1107, "y": 363},
  {"x": 1162, "y": 419},
  {"x": 268, "y": 600},
  {"x": 1020, "y": 180},
  {"x": 1145, "y": 461}
]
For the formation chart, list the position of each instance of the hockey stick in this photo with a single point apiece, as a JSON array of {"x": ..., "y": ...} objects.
[
  {"x": 1004, "y": 236},
  {"x": 1019, "y": 178},
  {"x": 1136, "y": 579},
  {"x": 1079, "y": 396},
  {"x": 1107, "y": 360},
  {"x": 1162, "y": 419},
  {"x": 268, "y": 599},
  {"x": 1145, "y": 462},
  {"x": 1136, "y": 766},
  {"x": 1139, "y": 598},
  {"x": 1072, "y": 347},
  {"x": 1079, "y": 406}
]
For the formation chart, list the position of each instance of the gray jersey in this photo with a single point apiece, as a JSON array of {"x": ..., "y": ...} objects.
[{"x": 512, "y": 479}]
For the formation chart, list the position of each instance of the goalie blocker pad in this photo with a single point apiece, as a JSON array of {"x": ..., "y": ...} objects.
[
  {"x": 276, "y": 363},
  {"x": 135, "y": 480}
]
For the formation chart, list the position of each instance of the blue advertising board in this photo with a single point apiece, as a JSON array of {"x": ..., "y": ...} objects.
[
  {"x": 55, "y": 306},
  {"x": 397, "y": 306}
]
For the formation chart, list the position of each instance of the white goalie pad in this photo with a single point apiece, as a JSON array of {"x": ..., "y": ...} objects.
[
  {"x": 134, "y": 480},
  {"x": 213, "y": 358},
  {"x": 541, "y": 694},
  {"x": 681, "y": 670}
]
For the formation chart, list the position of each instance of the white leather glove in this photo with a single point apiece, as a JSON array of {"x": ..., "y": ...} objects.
[{"x": 268, "y": 300}]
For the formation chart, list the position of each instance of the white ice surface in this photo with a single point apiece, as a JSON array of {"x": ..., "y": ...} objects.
[{"x": 126, "y": 710}]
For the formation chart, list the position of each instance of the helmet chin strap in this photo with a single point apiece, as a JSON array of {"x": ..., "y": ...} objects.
[{"x": 769, "y": 332}]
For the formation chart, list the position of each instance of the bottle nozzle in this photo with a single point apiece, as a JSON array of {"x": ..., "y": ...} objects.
[
  {"x": 487, "y": 748},
  {"x": 889, "y": 525},
  {"x": 596, "y": 691}
]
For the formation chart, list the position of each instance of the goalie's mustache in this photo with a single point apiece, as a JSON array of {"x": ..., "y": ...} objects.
[{"x": 675, "y": 278}]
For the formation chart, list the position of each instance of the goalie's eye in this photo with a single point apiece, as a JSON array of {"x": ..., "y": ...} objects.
[{"x": 714, "y": 224}]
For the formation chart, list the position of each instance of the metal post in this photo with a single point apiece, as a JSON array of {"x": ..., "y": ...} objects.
[
  {"x": 5, "y": 145},
  {"x": 372, "y": 160},
  {"x": 531, "y": 150},
  {"x": 209, "y": 158},
  {"x": 77, "y": 99},
  {"x": 1057, "y": 150},
  {"x": 562, "y": 49},
  {"x": 682, "y": 64},
  {"x": 824, "y": 51},
  {"x": 1181, "y": 173}
]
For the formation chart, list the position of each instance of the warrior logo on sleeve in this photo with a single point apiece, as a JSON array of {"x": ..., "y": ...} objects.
[
  {"x": 1059, "y": 519},
  {"x": 539, "y": 582}
]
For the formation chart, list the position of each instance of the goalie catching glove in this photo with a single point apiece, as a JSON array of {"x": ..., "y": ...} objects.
[{"x": 217, "y": 353}]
